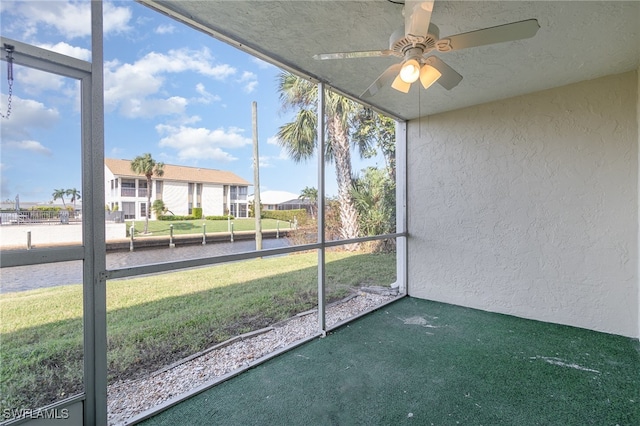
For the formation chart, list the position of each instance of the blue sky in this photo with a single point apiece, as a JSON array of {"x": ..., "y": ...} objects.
[{"x": 169, "y": 90}]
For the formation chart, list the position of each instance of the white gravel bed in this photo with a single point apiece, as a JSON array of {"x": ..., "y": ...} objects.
[{"x": 128, "y": 398}]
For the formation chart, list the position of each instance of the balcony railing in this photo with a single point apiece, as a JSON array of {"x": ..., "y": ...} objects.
[
  {"x": 128, "y": 192},
  {"x": 142, "y": 192}
]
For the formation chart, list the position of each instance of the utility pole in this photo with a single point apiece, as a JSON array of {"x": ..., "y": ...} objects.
[{"x": 256, "y": 177}]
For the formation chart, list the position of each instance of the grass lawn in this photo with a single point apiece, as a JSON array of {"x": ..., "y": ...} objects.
[
  {"x": 156, "y": 320},
  {"x": 161, "y": 227}
]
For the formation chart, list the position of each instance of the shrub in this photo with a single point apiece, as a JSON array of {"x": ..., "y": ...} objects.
[
  {"x": 197, "y": 212},
  {"x": 286, "y": 215},
  {"x": 45, "y": 208},
  {"x": 158, "y": 208},
  {"x": 219, "y": 217},
  {"x": 175, "y": 217}
]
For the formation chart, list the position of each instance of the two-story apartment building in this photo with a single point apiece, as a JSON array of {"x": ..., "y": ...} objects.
[{"x": 181, "y": 188}]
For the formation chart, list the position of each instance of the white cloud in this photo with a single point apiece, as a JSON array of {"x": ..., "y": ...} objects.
[
  {"x": 265, "y": 162},
  {"x": 165, "y": 29},
  {"x": 201, "y": 143},
  {"x": 250, "y": 87},
  {"x": 71, "y": 19},
  {"x": 26, "y": 114},
  {"x": 134, "y": 108},
  {"x": 29, "y": 145},
  {"x": 34, "y": 81},
  {"x": 250, "y": 81},
  {"x": 69, "y": 50},
  {"x": 190, "y": 120},
  {"x": 128, "y": 85},
  {"x": 206, "y": 97}
]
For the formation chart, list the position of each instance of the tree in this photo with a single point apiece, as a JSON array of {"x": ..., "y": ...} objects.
[
  {"x": 311, "y": 195},
  {"x": 158, "y": 208},
  {"x": 59, "y": 194},
  {"x": 374, "y": 197},
  {"x": 147, "y": 166},
  {"x": 75, "y": 195},
  {"x": 299, "y": 137},
  {"x": 381, "y": 130}
]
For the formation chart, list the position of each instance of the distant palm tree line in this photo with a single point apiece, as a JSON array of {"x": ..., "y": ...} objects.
[{"x": 73, "y": 194}]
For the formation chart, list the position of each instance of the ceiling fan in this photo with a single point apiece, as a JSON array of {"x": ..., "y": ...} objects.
[{"x": 418, "y": 38}]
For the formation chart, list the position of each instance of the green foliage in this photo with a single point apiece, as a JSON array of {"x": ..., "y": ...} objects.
[
  {"x": 374, "y": 196},
  {"x": 380, "y": 133},
  {"x": 158, "y": 208},
  {"x": 219, "y": 217},
  {"x": 59, "y": 194},
  {"x": 197, "y": 212},
  {"x": 74, "y": 195},
  {"x": 46, "y": 208},
  {"x": 252, "y": 210},
  {"x": 287, "y": 215},
  {"x": 147, "y": 166},
  {"x": 309, "y": 193},
  {"x": 175, "y": 217}
]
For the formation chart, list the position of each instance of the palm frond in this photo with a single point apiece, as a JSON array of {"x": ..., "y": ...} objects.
[{"x": 299, "y": 136}]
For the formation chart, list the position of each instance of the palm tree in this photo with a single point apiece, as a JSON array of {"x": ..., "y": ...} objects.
[
  {"x": 299, "y": 137},
  {"x": 311, "y": 195},
  {"x": 147, "y": 166},
  {"x": 381, "y": 131},
  {"x": 158, "y": 208},
  {"x": 75, "y": 195},
  {"x": 59, "y": 193}
]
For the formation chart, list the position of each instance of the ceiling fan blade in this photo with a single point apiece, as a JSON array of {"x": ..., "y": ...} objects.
[
  {"x": 382, "y": 81},
  {"x": 417, "y": 15},
  {"x": 508, "y": 32},
  {"x": 449, "y": 78},
  {"x": 349, "y": 55}
]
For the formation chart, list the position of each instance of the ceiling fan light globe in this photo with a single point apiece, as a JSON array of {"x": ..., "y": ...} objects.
[
  {"x": 410, "y": 71},
  {"x": 400, "y": 85},
  {"x": 429, "y": 75}
]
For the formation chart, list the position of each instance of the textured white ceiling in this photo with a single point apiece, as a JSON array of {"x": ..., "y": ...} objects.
[{"x": 577, "y": 40}]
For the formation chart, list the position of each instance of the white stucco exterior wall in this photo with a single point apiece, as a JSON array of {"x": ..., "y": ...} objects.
[
  {"x": 529, "y": 206},
  {"x": 176, "y": 197},
  {"x": 212, "y": 200}
]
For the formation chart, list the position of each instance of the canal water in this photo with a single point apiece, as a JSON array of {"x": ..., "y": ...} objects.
[{"x": 21, "y": 278}]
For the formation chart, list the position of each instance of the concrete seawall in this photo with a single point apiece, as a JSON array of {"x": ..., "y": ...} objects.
[
  {"x": 14, "y": 237},
  {"x": 140, "y": 243}
]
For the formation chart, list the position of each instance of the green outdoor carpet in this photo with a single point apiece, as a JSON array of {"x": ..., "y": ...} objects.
[{"x": 420, "y": 362}]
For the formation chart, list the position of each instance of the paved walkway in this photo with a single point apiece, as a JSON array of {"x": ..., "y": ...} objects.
[{"x": 44, "y": 234}]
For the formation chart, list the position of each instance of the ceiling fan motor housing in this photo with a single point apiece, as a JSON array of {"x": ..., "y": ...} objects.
[{"x": 399, "y": 43}]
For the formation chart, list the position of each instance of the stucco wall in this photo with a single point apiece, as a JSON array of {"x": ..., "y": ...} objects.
[
  {"x": 212, "y": 200},
  {"x": 529, "y": 206},
  {"x": 176, "y": 197}
]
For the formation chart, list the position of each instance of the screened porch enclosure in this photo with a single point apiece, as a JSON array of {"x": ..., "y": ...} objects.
[{"x": 516, "y": 232}]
